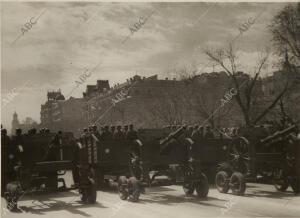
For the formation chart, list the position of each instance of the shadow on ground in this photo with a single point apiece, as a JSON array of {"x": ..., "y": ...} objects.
[{"x": 41, "y": 207}]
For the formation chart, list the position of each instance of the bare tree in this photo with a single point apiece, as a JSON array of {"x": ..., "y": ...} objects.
[
  {"x": 244, "y": 84},
  {"x": 285, "y": 28}
]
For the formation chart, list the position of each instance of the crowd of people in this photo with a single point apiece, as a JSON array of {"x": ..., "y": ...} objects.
[{"x": 112, "y": 132}]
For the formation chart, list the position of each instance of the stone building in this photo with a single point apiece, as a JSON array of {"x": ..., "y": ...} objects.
[
  {"x": 60, "y": 114},
  {"x": 26, "y": 125}
]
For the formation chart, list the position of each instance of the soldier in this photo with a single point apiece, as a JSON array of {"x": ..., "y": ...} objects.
[
  {"x": 125, "y": 130},
  {"x": 118, "y": 134},
  {"x": 18, "y": 142},
  {"x": 131, "y": 134},
  {"x": 54, "y": 147},
  {"x": 106, "y": 134},
  {"x": 34, "y": 131},
  {"x": 96, "y": 132},
  {"x": 189, "y": 131},
  {"x": 209, "y": 134},
  {"x": 15, "y": 155},
  {"x": 112, "y": 130},
  {"x": 101, "y": 130}
]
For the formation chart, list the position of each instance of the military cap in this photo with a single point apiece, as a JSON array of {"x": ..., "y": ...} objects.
[
  {"x": 106, "y": 127},
  {"x": 112, "y": 127},
  {"x": 119, "y": 127}
]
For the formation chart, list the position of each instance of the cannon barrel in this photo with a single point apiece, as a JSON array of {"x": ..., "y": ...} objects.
[
  {"x": 167, "y": 142},
  {"x": 278, "y": 135}
]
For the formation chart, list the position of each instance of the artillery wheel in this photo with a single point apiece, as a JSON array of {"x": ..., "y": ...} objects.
[
  {"x": 222, "y": 181},
  {"x": 238, "y": 184},
  {"x": 133, "y": 189},
  {"x": 188, "y": 188},
  {"x": 239, "y": 154},
  {"x": 202, "y": 186},
  {"x": 122, "y": 187},
  {"x": 280, "y": 183}
]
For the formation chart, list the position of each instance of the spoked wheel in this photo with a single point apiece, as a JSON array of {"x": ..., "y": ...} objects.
[
  {"x": 133, "y": 189},
  {"x": 222, "y": 181},
  {"x": 238, "y": 184},
  {"x": 188, "y": 188},
  {"x": 280, "y": 183},
  {"x": 122, "y": 187},
  {"x": 202, "y": 186},
  {"x": 239, "y": 154}
]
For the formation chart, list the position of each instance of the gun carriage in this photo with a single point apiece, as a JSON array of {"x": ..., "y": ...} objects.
[
  {"x": 256, "y": 154},
  {"x": 38, "y": 171},
  {"x": 134, "y": 164}
]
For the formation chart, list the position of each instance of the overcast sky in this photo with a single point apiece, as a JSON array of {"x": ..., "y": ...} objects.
[{"x": 71, "y": 37}]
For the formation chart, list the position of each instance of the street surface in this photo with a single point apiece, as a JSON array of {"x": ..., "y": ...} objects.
[{"x": 260, "y": 200}]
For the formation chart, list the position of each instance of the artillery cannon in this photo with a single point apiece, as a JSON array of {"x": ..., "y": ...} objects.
[
  {"x": 193, "y": 177},
  {"x": 37, "y": 173},
  {"x": 251, "y": 156},
  {"x": 132, "y": 165}
]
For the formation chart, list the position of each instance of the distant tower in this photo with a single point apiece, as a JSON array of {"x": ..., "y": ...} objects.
[{"x": 15, "y": 123}]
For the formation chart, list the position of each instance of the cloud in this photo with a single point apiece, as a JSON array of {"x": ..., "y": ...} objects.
[{"x": 74, "y": 36}]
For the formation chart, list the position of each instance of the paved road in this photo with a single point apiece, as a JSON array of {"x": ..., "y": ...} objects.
[{"x": 167, "y": 201}]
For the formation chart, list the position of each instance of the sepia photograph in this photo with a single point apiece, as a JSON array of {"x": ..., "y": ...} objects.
[{"x": 150, "y": 109}]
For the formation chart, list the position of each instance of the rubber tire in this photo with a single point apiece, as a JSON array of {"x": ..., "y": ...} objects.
[
  {"x": 222, "y": 175},
  {"x": 237, "y": 176},
  {"x": 188, "y": 188},
  {"x": 281, "y": 187},
  {"x": 123, "y": 193},
  {"x": 202, "y": 187},
  {"x": 134, "y": 189}
]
